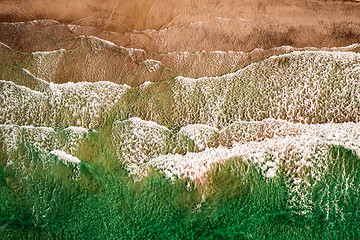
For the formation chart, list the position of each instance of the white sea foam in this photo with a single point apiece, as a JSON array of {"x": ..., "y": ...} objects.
[
  {"x": 298, "y": 147},
  {"x": 309, "y": 86},
  {"x": 108, "y": 43},
  {"x": 152, "y": 65},
  {"x": 81, "y": 104},
  {"x": 201, "y": 134},
  {"x": 136, "y": 140},
  {"x": 63, "y": 156},
  {"x": 46, "y": 138}
]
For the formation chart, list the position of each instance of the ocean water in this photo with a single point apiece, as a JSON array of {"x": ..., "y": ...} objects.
[{"x": 271, "y": 151}]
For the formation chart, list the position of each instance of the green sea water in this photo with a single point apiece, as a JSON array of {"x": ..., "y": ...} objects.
[{"x": 269, "y": 152}]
